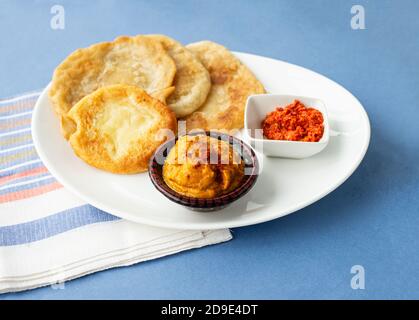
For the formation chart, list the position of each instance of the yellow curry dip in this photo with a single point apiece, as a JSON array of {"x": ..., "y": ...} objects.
[{"x": 203, "y": 167}]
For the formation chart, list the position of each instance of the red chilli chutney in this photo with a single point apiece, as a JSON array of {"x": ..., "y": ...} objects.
[{"x": 295, "y": 122}]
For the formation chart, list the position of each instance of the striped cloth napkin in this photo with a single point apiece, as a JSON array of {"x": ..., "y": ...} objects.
[{"x": 47, "y": 235}]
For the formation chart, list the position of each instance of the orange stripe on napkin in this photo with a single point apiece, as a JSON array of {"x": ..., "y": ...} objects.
[
  {"x": 29, "y": 193},
  {"x": 23, "y": 174},
  {"x": 20, "y": 106},
  {"x": 15, "y": 124}
]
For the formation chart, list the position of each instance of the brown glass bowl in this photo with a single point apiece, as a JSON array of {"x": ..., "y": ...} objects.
[{"x": 251, "y": 164}]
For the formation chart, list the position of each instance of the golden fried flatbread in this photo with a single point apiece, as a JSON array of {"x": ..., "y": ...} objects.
[
  {"x": 232, "y": 83},
  {"x": 138, "y": 61},
  {"x": 117, "y": 128},
  {"x": 192, "y": 81}
]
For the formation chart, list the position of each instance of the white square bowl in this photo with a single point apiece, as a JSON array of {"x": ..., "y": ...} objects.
[{"x": 258, "y": 106}]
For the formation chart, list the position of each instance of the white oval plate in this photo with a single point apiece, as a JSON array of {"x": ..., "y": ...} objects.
[{"x": 284, "y": 185}]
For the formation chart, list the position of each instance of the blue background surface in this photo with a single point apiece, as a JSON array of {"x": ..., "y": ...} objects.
[{"x": 372, "y": 219}]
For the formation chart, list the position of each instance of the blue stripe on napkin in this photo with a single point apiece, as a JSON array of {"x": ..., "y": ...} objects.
[{"x": 52, "y": 225}]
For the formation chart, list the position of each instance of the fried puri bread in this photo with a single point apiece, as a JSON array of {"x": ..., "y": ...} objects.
[
  {"x": 138, "y": 61},
  {"x": 232, "y": 83},
  {"x": 192, "y": 81},
  {"x": 117, "y": 128}
]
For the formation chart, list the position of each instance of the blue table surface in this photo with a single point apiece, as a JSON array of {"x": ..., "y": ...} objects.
[{"x": 371, "y": 220}]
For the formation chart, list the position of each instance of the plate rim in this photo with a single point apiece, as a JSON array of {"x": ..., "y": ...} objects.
[{"x": 209, "y": 225}]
